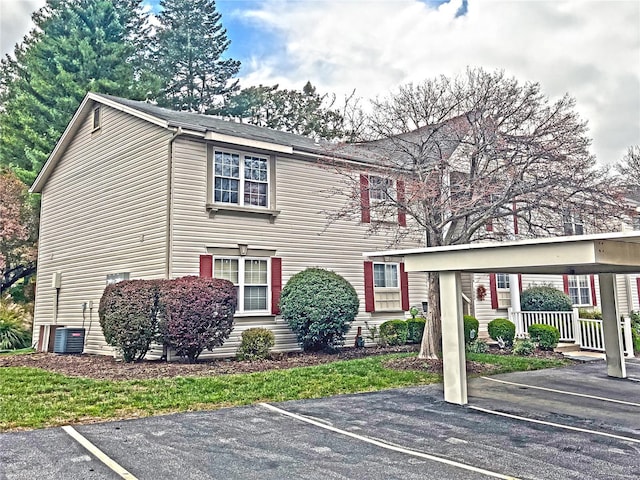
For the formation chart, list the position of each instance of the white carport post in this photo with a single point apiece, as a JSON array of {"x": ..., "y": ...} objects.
[
  {"x": 611, "y": 327},
  {"x": 453, "y": 354}
]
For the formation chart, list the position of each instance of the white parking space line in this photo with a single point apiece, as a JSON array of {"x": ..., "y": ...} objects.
[
  {"x": 557, "y": 425},
  {"x": 388, "y": 446},
  {"x": 96, "y": 452},
  {"x": 564, "y": 392}
]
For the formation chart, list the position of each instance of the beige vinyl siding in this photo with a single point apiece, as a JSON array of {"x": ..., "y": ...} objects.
[
  {"x": 103, "y": 211},
  {"x": 300, "y": 235}
]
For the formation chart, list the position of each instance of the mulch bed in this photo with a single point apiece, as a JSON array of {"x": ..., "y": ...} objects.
[{"x": 104, "y": 367}]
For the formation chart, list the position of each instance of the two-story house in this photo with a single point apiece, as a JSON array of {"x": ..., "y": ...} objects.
[{"x": 134, "y": 191}]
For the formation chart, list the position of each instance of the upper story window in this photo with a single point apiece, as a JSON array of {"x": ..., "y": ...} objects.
[
  {"x": 251, "y": 278},
  {"x": 572, "y": 223},
  {"x": 380, "y": 189},
  {"x": 96, "y": 118},
  {"x": 241, "y": 180}
]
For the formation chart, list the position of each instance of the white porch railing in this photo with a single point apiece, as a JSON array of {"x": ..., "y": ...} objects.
[
  {"x": 585, "y": 332},
  {"x": 591, "y": 336},
  {"x": 563, "y": 321}
]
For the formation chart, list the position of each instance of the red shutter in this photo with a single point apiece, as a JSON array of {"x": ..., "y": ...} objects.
[
  {"x": 369, "y": 300},
  {"x": 365, "y": 208},
  {"x": 515, "y": 220},
  {"x": 638, "y": 288},
  {"x": 565, "y": 283},
  {"x": 206, "y": 266},
  {"x": 493, "y": 287},
  {"x": 594, "y": 300},
  {"x": 489, "y": 225},
  {"x": 402, "y": 214},
  {"x": 404, "y": 288},
  {"x": 276, "y": 284},
  {"x": 520, "y": 282}
]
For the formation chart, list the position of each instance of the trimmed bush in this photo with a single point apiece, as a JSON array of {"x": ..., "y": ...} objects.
[
  {"x": 394, "y": 332},
  {"x": 502, "y": 328},
  {"x": 256, "y": 343},
  {"x": 415, "y": 329},
  {"x": 319, "y": 307},
  {"x": 542, "y": 298},
  {"x": 470, "y": 323},
  {"x": 197, "y": 314},
  {"x": 128, "y": 315},
  {"x": 546, "y": 336},
  {"x": 635, "y": 331},
  {"x": 523, "y": 347}
]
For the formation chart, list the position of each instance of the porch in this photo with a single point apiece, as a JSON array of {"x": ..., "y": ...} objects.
[{"x": 585, "y": 333}]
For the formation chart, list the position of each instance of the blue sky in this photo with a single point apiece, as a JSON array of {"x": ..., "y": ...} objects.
[{"x": 587, "y": 48}]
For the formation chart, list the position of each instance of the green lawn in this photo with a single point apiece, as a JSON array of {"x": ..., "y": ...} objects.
[{"x": 35, "y": 398}]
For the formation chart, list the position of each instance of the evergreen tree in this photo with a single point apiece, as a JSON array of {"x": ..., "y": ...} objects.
[
  {"x": 77, "y": 46},
  {"x": 303, "y": 112},
  {"x": 189, "y": 45}
]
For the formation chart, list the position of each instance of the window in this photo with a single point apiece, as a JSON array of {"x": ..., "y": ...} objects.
[
  {"x": 499, "y": 284},
  {"x": 96, "y": 118},
  {"x": 380, "y": 189},
  {"x": 240, "y": 179},
  {"x": 572, "y": 223},
  {"x": 250, "y": 276},
  {"x": 117, "y": 277},
  {"x": 385, "y": 275},
  {"x": 579, "y": 289},
  {"x": 502, "y": 280},
  {"x": 386, "y": 287}
]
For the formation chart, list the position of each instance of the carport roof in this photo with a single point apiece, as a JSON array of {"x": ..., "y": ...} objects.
[{"x": 580, "y": 254}]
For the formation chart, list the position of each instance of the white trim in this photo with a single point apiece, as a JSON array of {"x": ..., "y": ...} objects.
[
  {"x": 245, "y": 142},
  {"x": 241, "y": 312}
]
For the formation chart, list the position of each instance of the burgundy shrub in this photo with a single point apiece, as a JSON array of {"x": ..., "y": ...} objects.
[
  {"x": 129, "y": 313},
  {"x": 197, "y": 314}
]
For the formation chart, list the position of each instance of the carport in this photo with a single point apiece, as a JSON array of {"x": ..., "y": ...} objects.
[{"x": 603, "y": 254}]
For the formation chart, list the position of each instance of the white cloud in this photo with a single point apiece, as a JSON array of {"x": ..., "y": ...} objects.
[
  {"x": 15, "y": 21},
  {"x": 589, "y": 49}
]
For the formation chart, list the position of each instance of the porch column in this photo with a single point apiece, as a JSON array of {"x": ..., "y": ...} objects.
[
  {"x": 514, "y": 290},
  {"x": 611, "y": 327},
  {"x": 453, "y": 354}
]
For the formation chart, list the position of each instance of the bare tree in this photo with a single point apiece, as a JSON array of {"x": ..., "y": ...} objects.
[
  {"x": 473, "y": 158},
  {"x": 629, "y": 168}
]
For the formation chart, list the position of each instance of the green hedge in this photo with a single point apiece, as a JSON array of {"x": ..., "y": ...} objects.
[
  {"x": 546, "y": 336},
  {"x": 319, "y": 307},
  {"x": 544, "y": 299},
  {"x": 394, "y": 332},
  {"x": 470, "y": 323},
  {"x": 502, "y": 328},
  {"x": 256, "y": 344},
  {"x": 415, "y": 327}
]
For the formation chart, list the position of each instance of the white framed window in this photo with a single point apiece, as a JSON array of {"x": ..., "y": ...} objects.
[
  {"x": 580, "y": 289},
  {"x": 502, "y": 281},
  {"x": 251, "y": 278},
  {"x": 380, "y": 189},
  {"x": 240, "y": 179},
  {"x": 386, "y": 287},
  {"x": 96, "y": 118},
  {"x": 117, "y": 277},
  {"x": 503, "y": 291}
]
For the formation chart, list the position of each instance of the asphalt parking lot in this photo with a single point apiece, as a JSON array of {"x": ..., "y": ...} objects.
[{"x": 569, "y": 423}]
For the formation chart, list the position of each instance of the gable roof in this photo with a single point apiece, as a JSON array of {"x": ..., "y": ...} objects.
[{"x": 203, "y": 126}]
